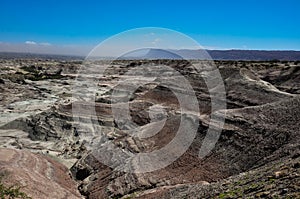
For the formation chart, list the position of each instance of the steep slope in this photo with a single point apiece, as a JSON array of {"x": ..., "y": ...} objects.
[
  {"x": 38, "y": 176},
  {"x": 262, "y": 140}
]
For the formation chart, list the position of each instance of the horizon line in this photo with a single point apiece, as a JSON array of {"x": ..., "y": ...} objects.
[{"x": 84, "y": 55}]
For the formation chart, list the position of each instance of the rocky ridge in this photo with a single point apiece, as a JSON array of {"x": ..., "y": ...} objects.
[{"x": 260, "y": 132}]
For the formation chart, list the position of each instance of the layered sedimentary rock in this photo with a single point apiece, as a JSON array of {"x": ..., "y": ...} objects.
[
  {"x": 37, "y": 175},
  {"x": 260, "y": 133}
]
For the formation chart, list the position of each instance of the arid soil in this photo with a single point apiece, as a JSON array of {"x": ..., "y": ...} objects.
[{"x": 257, "y": 154}]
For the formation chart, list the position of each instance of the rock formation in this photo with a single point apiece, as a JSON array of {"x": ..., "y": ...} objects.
[
  {"x": 257, "y": 154},
  {"x": 38, "y": 176}
]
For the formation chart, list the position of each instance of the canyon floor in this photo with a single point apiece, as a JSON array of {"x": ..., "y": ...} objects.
[{"x": 45, "y": 147}]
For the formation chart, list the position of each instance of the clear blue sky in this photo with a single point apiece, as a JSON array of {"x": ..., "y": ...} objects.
[{"x": 224, "y": 24}]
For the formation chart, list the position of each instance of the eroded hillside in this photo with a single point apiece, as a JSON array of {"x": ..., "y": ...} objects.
[{"x": 257, "y": 154}]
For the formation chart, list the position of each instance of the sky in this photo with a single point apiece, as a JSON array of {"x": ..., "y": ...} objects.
[{"x": 75, "y": 27}]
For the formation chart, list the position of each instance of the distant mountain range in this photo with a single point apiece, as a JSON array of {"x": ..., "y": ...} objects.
[{"x": 253, "y": 55}]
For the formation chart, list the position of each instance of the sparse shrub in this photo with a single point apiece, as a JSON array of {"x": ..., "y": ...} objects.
[{"x": 11, "y": 192}]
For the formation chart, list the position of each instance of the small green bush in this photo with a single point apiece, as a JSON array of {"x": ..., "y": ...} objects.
[{"x": 11, "y": 192}]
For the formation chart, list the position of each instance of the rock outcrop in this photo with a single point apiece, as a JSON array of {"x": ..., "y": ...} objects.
[
  {"x": 38, "y": 176},
  {"x": 257, "y": 154}
]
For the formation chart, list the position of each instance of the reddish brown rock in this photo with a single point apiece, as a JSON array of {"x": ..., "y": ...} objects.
[{"x": 38, "y": 176}]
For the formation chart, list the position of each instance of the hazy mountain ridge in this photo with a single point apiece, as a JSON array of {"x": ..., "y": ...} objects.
[{"x": 253, "y": 55}]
